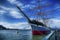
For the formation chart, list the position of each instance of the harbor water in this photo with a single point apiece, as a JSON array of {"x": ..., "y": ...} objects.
[{"x": 16, "y": 34}]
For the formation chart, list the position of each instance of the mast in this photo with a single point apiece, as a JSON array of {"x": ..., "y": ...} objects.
[{"x": 39, "y": 13}]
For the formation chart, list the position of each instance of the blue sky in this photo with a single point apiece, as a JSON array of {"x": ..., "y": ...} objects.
[{"x": 10, "y": 14}]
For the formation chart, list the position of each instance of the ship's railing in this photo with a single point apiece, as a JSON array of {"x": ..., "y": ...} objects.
[
  {"x": 49, "y": 36},
  {"x": 55, "y": 35}
]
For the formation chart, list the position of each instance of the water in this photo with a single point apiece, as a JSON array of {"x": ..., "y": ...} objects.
[{"x": 16, "y": 34}]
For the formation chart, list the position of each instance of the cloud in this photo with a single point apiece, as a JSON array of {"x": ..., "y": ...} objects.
[
  {"x": 12, "y": 12},
  {"x": 2, "y": 12},
  {"x": 22, "y": 5},
  {"x": 22, "y": 25},
  {"x": 28, "y": 6},
  {"x": 12, "y": 1},
  {"x": 54, "y": 23},
  {"x": 57, "y": 6},
  {"x": 33, "y": 2},
  {"x": 7, "y": 8},
  {"x": 15, "y": 14},
  {"x": 15, "y": 2}
]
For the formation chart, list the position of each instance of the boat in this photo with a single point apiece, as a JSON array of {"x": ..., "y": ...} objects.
[
  {"x": 36, "y": 25},
  {"x": 40, "y": 30}
]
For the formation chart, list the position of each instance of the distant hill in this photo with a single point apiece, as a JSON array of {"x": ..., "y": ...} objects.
[{"x": 2, "y": 27}]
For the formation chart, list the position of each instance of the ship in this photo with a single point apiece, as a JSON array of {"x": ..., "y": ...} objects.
[
  {"x": 36, "y": 30},
  {"x": 38, "y": 27}
]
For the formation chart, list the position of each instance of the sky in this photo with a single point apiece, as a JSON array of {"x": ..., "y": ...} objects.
[{"x": 10, "y": 16}]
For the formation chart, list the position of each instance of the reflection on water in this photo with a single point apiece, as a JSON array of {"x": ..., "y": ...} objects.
[{"x": 15, "y": 35}]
